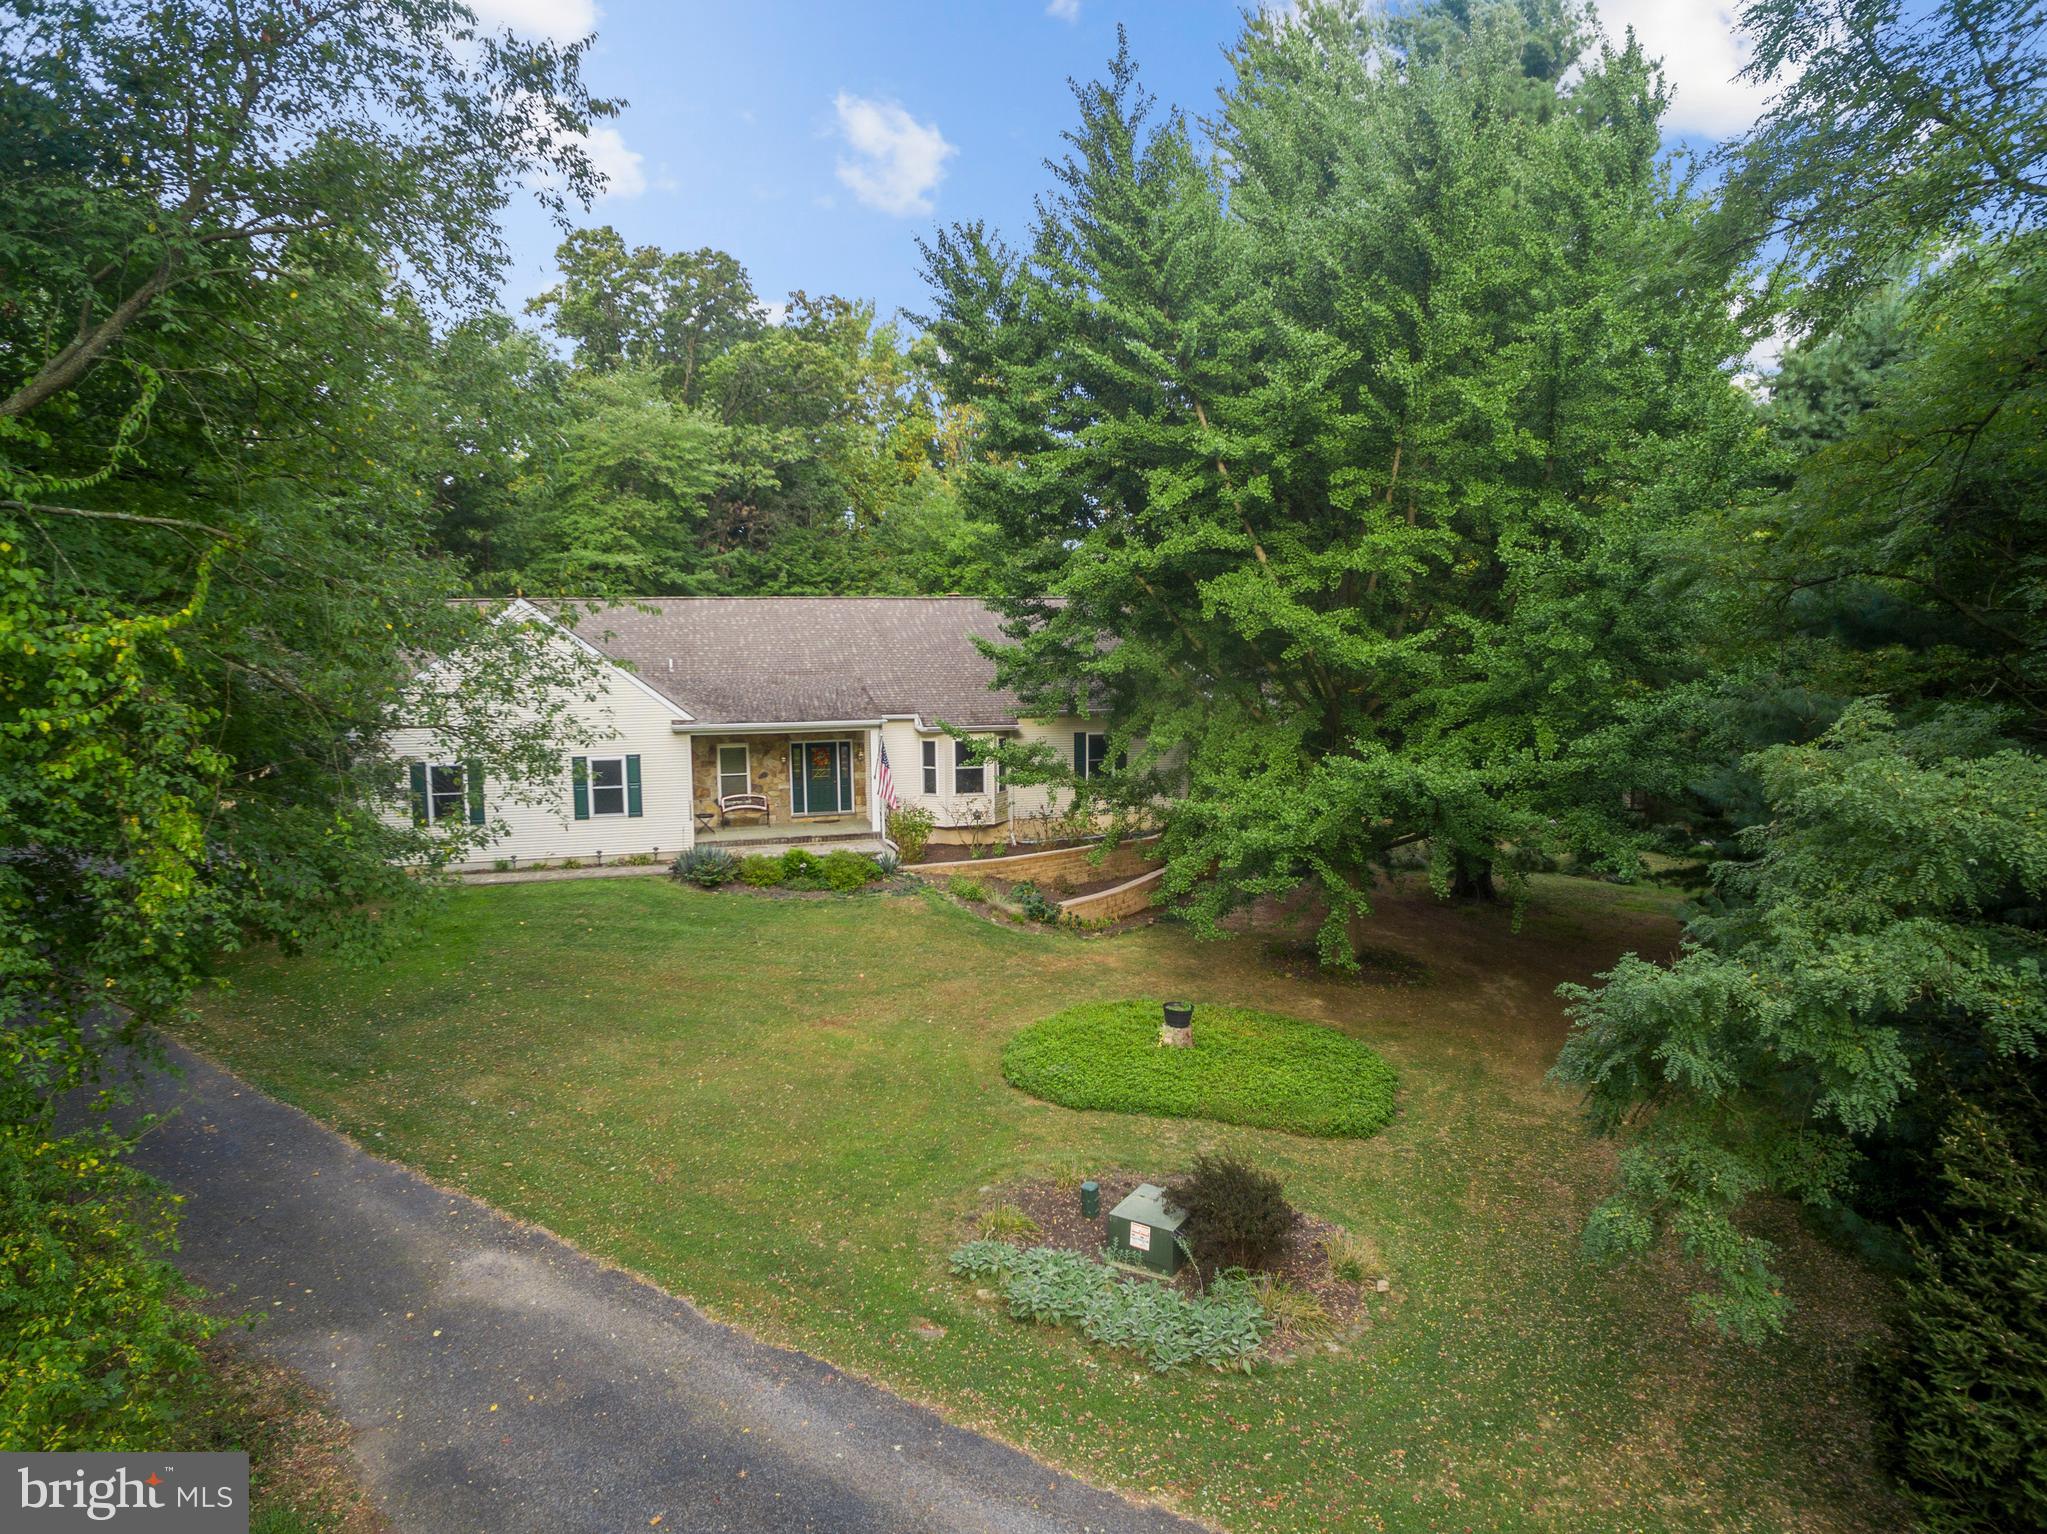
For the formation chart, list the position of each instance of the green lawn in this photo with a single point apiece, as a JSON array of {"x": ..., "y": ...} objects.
[{"x": 785, "y": 1110}]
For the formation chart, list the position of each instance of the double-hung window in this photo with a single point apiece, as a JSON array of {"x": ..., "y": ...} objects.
[
  {"x": 447, "y": 793},
  {"x": 931, "y": 767},
  {"x": 735, "y": 771},
  {"x": 1090, "y": 753},
  {"x": 968, "y": 776},
  {"x": 607, "y": 785}
]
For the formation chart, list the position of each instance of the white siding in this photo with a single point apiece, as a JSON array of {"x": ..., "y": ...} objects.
[
  {"x": 906, "y": 765},
  {"x": 631, "y": 722}
]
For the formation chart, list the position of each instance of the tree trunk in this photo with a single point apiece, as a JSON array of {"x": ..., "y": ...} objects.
[{"x": 1472, "y": 880}]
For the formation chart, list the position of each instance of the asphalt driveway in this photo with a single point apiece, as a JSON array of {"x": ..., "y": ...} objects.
[{"x": 499, "y": 1380}]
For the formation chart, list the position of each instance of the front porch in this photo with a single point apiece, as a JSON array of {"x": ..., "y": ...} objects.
[
  {"x": 743, "y": 840},
  {"x": 815, "y": 786}
]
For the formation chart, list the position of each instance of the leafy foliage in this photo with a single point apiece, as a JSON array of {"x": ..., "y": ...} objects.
[
  {"x": 1222, "y": 1328},
  {"x": 1245, "y": 1067},
  {"x": 909, "y": 827},
  {"x": 1895, "y": 127},
  {"x": 98, "y": 1335},
  {"x": 216, "y": 572},
  {"x": 1237, "y": 1216},
  {"x": 1968, "y": 1390},
  {"x": 847, "y": 871},
  {"x": 695, "y": 448},
  {"x": 1865, "y": 745},
  {"x": 761, "y": 872},
  {"x": 1033, "y": 902},
  {"x": 1874, "y": 916},
  {"x": 960, "y": 887}
]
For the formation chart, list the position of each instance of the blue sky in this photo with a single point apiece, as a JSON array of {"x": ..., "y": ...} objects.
[{"x": 816, "y": 141}]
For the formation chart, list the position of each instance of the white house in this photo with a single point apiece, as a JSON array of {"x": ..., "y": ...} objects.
[{"x": 735, "y": 720}]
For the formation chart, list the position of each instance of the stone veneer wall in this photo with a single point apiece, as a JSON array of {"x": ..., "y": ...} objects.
[{"x": 769, "y": 764}]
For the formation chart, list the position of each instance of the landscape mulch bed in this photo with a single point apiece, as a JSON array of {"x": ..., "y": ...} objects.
[{"x": 1303, "y": 1262}]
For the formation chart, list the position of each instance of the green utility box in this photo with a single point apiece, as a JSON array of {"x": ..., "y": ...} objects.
[{"x": 1144, "y": 1232}]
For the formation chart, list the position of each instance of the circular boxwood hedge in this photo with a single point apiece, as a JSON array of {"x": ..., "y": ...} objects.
[{"x": 1246, "y": 1067}]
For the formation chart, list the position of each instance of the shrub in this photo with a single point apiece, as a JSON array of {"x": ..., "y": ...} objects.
[
  {"x": 1297, "y": 1310},
  {"x": 1237, "y": 1216},
  {"x": 761, "y": 872},
  {"x": 845, "y": 871},
  {"x": 1967, "y": 1394},
  {"x": 1354, "y": 1259},
  {"x": 982, "y": 1260},
  {"x": 799, "y": 868},
  {"x": 1005, "y": 1222},
  {"x": 1253, "y": 1068},
  {"x": 888, "y": 863},
  {"x": 1222, "y": 1328},
  {"x": 963, "y": 888},
  {"x": 1032, "y": 902},
  {"x": 910, "y": 828},
  {"x": 97, "y": 1350},
  {"x": 706, "y": 867}
]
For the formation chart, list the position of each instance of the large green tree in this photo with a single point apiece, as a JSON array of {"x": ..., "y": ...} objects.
[
  {"x": 700, "y": 449},
  {"x": 1893, "y": 126},
  {"x": 1872, "y": 952},
  {"x": 227, "y": 232},
  {"x": 671, "y": 312},
  {"x": 1342, "y": 446}
]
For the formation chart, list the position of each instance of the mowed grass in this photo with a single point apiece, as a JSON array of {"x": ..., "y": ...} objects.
[
  {"x": 787, "y": 1110},
  {"x": 1252, "y": 1068}
]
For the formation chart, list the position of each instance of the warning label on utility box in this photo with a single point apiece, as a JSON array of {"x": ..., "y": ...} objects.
[{"x": 1140, "y": 1237}]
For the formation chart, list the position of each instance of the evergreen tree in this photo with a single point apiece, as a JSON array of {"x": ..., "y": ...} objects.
[{"x": 1344, "y": 449}]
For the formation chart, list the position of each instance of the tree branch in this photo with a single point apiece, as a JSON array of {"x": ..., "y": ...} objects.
[{"x": 36, "y": 509}]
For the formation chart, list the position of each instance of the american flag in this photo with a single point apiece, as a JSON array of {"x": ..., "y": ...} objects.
[{"x": 886, "y": 782}]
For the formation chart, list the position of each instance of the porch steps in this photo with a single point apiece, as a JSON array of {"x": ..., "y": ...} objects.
[{"x": 763, "y": 846}]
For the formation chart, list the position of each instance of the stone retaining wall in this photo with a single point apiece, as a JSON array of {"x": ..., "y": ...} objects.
[
  {"x": 1126, "y": 899},
  {"x": 1061, "y": 867}
]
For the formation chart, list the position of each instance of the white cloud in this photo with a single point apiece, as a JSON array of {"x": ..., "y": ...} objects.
[
  {"x": 897, "y": 162},
  {"x": 1065, "y": 10},
  {"x": 623, "y": 170},
  {"x": 562, "y": 20},
  {"x": 1702, "y": 51}
]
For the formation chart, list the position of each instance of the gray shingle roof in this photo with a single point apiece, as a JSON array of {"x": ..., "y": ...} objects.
[{"x": 771, "y": 660}]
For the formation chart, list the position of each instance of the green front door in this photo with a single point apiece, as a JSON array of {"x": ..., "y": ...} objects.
[{"x": 821, "y": 777}]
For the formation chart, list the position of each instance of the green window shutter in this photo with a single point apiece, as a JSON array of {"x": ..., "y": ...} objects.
[
  {"x": 845, "y": 776},
  {"x": 579, "y": 775},
  {"x": 1080, "y": 753},
  {"x": 419, "y": 793},
  {"x": 475, "y": 793},
  {"x": 799, "y": 796},
  {"x": 632, "y": 785}
]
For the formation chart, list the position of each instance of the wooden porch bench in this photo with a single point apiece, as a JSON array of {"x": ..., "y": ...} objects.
[{"x": 744, "y": 804}]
